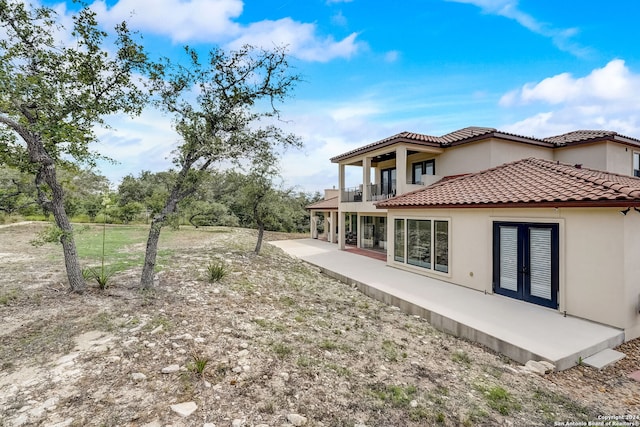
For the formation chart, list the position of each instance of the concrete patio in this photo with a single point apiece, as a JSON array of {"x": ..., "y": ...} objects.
[{"x": 519, "y": 330}]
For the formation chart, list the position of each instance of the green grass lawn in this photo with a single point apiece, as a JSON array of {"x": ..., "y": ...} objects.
[{"x": 124, "y": 246}]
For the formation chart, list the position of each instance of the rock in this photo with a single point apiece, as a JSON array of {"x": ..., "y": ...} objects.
[
  {"x": 237, "y": 423},
  {"x": 550, "y": 366},
  {"x": 244, "y": 345},
  {"x": 535, "y": 367},
  {"x": 237, "y": 370},
  {"x": 138, "y": 376},
  {"x": 285, "y": 376},
  {"x": 156, "y": 330},
  {"x": 184, "y": 409},
  {"x": 170, "y": 369},
  {"x": 243, "y": 353},
  {"x": 226, "y": 331},
  {"x": 296, "y": 419},
  {"x": 209, "y": 425},
  {"x": 413, "y": 403}
]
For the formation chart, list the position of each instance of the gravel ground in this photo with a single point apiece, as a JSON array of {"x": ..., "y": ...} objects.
[{"x": 273, "y": 343}]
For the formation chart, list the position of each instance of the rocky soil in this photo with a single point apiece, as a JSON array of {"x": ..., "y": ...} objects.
[{"x": 274, "y": 343}]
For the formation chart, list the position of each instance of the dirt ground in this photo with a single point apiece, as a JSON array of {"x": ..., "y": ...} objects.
[{"x": 274, "y": 343}]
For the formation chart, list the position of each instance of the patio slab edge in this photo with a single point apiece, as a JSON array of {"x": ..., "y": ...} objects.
[{"x": 461, "y": 330}]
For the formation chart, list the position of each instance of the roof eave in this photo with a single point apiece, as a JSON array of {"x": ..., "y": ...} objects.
[{"x": 545, "y": 204}]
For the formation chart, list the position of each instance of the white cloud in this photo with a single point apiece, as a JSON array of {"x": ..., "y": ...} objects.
[
  {"x": 300, "y": 39},
  {"x": 614, "y": 84},
  {"x": 606, "y": 98},
  {"x": 561, "y": 37},
  {"x": 215, "y": 21},
  {"x": 182, "y": 21}
]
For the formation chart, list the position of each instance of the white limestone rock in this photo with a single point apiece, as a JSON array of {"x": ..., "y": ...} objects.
[{"x": 184, "y": 409}]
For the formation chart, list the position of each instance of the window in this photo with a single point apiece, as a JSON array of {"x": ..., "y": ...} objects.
[
  {"x": 388, "y": 182},
  {"x": 419, "y": 242},
  {"x": 636, "y": 164},
  {"x": 427, "y": 167},
  {"x": 398, "y": 249},
  {"x": 441, "y": 243},
  {"x": 423, "y": 243}
]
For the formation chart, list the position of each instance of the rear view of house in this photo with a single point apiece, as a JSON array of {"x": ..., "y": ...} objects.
[{"x": 553, "y": 222}]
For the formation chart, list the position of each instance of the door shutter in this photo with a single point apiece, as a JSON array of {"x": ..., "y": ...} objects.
[
  {"x": 509, "y": 258},
  {"x": 540, "y": 262}
]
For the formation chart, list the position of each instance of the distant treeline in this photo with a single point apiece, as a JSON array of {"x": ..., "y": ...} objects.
[{"x": 223, "y": 198}]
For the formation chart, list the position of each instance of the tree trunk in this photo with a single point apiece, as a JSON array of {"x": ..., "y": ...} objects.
[
  {"x": 47, "y": 174},
  {"x": 260, "y": 236},
  {"x": 146, "y": 281}
]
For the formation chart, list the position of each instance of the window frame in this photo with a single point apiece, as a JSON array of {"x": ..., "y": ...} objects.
[
  {"x": 635, "y": 167},
  {"x": 423, "y": 167},
  {"x": 432, "y": 248}
]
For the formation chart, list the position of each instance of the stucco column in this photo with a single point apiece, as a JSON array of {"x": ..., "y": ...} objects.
[
  {"x": 313, "y": 224},
  {"x": 366, "y": 179},
  {"x": 341, "y": 180},
  {"x": 401, "y": 170},
  {"x": 341, "y": 226}
]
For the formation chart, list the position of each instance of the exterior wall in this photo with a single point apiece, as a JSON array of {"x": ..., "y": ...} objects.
[
  {"x": 631, "y": 305},
  {"x": 599, "y": 251},
  {"x": 593, "y": 156},
  {"x": 485, "y": 154},
  {"x": 604, "y": 155},
  {"x": 619, "y": 158}
]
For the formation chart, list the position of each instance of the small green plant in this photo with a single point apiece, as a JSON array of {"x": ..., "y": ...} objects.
[
  {"x": 8, "y": 296},
  {"x": 499, "y": 399},
  {"x": 461, "y": 357},
  {"x": 281, "y": 350},
  {"x": 101, "y": 275},
  {"x": 216, "y": 271},
  {"x": 198, "y": 363},
  {"x": 328, "y": 345},
  {"x": 50, "y": 234},
  {"x": 390, "y": 350}
]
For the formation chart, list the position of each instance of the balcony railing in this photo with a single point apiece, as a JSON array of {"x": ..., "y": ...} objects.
[{"x": 353, "y": 194}]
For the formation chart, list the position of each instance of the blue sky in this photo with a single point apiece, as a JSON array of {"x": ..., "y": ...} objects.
[{"x": 372, "y": 69}]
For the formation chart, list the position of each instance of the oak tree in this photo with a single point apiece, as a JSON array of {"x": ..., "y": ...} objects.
[
  {"x": 56, "y": 85},
  {"x": 219, "y": 106}
]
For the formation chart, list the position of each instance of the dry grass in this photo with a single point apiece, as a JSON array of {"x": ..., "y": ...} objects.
[{"x": 278, "y": 337}]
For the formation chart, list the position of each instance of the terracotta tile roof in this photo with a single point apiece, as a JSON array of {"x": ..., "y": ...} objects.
[
  {"x": 529, "y": 182},
  {"x": 580, "y": 136},
  {"x": 327, "y": 204},
  {"x": 472, "y": 133},
  {"x": 459, "y": 136}
]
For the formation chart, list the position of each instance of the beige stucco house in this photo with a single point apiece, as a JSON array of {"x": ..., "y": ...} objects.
[{"x": 553, "y": 222}]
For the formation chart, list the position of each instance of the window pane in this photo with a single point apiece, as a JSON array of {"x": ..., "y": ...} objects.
[
  {"x": 430, "y": 167},
  {"x": 636, "y": 164},
  {"x": 419, "y": 242},
  {"x": 540, "y": 262},
  {"x": 442, "y": 246},
  {"x": 509, "y": 258},
  {"x": 417, "y": 173},
  {"x": 367, "y": 232},
  {"x": 398, "y": 248}
]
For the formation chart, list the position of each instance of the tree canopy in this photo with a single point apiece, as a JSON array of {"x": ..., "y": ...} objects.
[{"x": 56, "y": 85}]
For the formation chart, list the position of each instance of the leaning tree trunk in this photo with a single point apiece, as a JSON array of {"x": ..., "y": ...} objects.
[
  {"x": 146, "y": 281},
  {"x": 260, "y": 236},
  {"x": 47, "y": 174}
]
